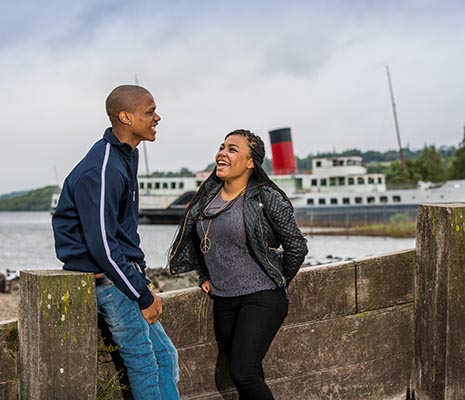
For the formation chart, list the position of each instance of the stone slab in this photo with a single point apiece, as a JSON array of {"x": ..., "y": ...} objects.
[
  {"x": 385, "y": 281},
  {"x": 188, "y": 317},
  {"x": 58, "y": 335},
  {"x": 322, "y": 292},
  {"x": 341, "y": 341},
  {"x": 9, "y": 345},
  {"x": 439, "y": 371},
  {"x": 367, "y": 342}
]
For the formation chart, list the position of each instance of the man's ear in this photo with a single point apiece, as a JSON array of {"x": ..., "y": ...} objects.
[{"x": 124, "y": 117}]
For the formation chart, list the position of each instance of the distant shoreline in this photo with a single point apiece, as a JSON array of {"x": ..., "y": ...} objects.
[{"x": 405, "y": 230}]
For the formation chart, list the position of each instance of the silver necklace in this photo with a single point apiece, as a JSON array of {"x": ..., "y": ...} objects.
[{"x": 205, "y": 242}]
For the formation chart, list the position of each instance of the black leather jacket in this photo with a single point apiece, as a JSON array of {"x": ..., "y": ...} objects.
[{"x": 279, "y": 252}]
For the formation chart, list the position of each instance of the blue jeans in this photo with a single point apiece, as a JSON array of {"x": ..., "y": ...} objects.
[{"x": 149, "y": 355}]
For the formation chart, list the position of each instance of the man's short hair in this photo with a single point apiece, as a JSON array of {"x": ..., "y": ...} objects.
[{"x": 123, "y": 98}]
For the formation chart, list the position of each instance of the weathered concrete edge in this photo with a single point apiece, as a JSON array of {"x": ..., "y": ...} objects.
[{"x": 8, "y": 359}]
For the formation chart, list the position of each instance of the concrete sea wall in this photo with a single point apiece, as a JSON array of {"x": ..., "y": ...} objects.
[{"x": 348, "y": 335}]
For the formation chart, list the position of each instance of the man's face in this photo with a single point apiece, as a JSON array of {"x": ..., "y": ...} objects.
[{"x": 144, "y": 119}]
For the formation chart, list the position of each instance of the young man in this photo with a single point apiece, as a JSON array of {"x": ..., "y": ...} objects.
[{"x": 95, "y": 229}]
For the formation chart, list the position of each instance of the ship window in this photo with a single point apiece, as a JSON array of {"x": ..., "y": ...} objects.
[
  {"x": 333, "y": 201},
  {"x": 332, "y": 181},
  {"x": 165, "y": 185},
  {"x": 383, "y": 199},
  {"x": 358, "y": 200},
  {"x": 310, "y": 202},
  {"x": 345, "y": 200},
  {"x": 157, "y": 185},
  {"x": 349, "y": 162},
  {"x": 314, "y": 182},
  {"x": 371, "y": 180},
  {"x": 173, "y": 185},
  {"x": 321, "y": 201},
  {"x": 318, "y": 163},
  {"x": 323, "y": 182},
  {"x": 341, "y": 181},
  {"x": 141, "y": 185},
  {"x": 396, "y": 199},
  {"x": 351, "y": 181},
  {"x": 360, "y": 180},
  {"x": 380, "y": 180},
  {"x": 335, "y": 163},
  {"x": 149, "y": 185},
  {"x": 370, "y": 199},
  {"x": 181, "y": 185},
  {"x": 341, "y": 163}
]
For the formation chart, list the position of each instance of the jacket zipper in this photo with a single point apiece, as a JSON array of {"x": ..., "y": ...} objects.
[{"x": 283, "y": 279}]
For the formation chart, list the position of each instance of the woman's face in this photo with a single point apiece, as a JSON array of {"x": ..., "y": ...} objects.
[{"x": 234, "y": 159}]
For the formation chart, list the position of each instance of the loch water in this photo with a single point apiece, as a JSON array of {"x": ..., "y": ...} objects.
[{"x": 26, "y": 242}]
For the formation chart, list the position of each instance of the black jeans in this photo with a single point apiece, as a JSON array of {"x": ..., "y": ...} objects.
[{"x": 245, "y": 327}]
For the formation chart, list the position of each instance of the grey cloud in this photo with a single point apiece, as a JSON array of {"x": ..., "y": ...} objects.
[{"x": 215, "y": 69}]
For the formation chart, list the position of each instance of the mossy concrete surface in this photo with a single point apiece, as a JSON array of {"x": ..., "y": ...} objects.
[
  {"x": 8, "y": 360},
  {"x": 439, "y": 367},
  {"x": 57, "y": 335}
]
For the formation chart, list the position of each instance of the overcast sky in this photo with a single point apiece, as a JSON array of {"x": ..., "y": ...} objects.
[{"x": 214, "y": 66}]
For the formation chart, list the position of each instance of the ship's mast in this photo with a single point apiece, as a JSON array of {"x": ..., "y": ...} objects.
[
  {"x": 144, "y": 146},
  {"x": 396, "y": 122}
]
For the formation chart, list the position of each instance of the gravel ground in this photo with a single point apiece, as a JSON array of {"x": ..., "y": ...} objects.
[{"x": 9, "y": 305}]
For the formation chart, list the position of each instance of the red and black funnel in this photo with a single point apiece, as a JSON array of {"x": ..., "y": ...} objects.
[{"x": 283, "y": 154}]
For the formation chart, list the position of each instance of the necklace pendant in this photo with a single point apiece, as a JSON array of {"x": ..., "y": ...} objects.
[{"x": 205, "y": 245}]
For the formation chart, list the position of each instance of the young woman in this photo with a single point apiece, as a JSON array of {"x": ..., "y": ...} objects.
[{"x": 240, "y": 234}]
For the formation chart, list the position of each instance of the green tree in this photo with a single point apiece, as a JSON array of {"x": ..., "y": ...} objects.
[
  {"x": 430, "y": 166},
  {"x": 33, "y": 200},
  {"x": 394, "y": 174},
  {"x": 457, "y": 166}
]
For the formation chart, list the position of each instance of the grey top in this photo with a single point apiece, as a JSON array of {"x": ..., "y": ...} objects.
[{"x": 232, "y": 270}]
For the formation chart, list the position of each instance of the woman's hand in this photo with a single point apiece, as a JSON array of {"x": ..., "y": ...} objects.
[{"x": 206, "y": 286}]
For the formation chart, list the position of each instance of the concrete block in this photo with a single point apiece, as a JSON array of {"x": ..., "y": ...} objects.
[
  {"x": 202, "y": 371},
  {"x": 57, "y": 335},
  {"x": 385, "y": 281},
  {"x": 359, "y": 350},
  {"x": 9, "y": 345},
  {"x": 439, "y": 366},
  {"x": 340, "y": 341},
  {"x": 188, "y": 317},
  {"x": 350, "y": 382},
  {"x": 322, "y": 292}
]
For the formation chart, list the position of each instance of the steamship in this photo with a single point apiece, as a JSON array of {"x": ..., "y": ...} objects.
[{"x": 338, "y": 192}]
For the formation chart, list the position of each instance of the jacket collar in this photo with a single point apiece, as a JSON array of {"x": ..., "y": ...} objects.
[
  {"x": 124, "y": 148},
  {"x": 213, "y": 188}
]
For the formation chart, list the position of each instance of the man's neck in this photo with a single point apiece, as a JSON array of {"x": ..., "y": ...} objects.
[{"x": 125, "y": 137}]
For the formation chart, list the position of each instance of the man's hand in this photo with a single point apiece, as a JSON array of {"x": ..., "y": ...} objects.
[{"x": 153, "y": 313}]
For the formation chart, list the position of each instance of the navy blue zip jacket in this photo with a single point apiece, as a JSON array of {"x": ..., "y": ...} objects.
[{"x": 95, "y": 222}]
